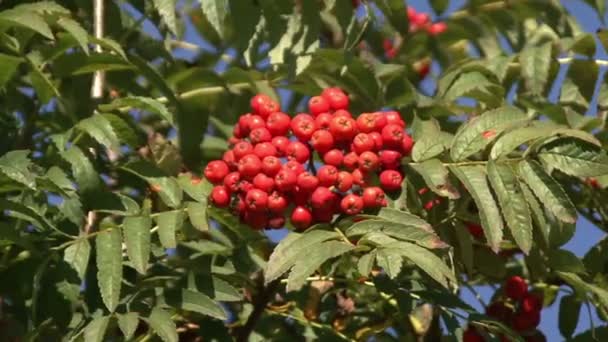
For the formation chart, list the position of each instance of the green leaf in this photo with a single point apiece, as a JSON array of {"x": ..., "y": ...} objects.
[
  {"x": 8, "y": 67},
  {"x": 96, "y": 329},
  {"x": 128, "y": 323},
  {"x": 45, "y": 89},
  {"x": 481, "y": 131},
  {"x": 198, "y": 190},
  {"x": 60, "y": 179},
  {"x": 197, "y": 302},
  {"x": 115, "y": 204},
  {"x": 428, "y": 262},
  {"x": 22, "y": 17},
  {"x": 400, "y": 216},
  {"x": 312, "y": 260},
  {"x": 28, "y": 213},
  {"x": 473, "y": 84},
  {"x": 402, "y": 231},
  {"x": 197, "y": 212},
  {"x": 465, "y": 244},
  {"x": 569, "y": 313},
  {"x": 535, "y": 63},
  {"x": 168, "y": 223},
  {"x": 82, "y": 169},
  {"x": 100, "y": 129},
  {"x": 548, "y": 191},
  {"x": 430, "y": 141},
  {"x": 167, "y": 187},
  {"x": 390, "y": 261},
  {"x": 15, "y": 165},
  {"x": 565, "y": 261},
  {"x": 161, "y": 323},
  {"x": 575, "y": 157},
  {"x": 290, "y": 249},
  {"x": 223, "y": 291},
  {"x": 77, "y": 256},
  {"x": 511, "y": 140},
  {"x": 396, "y": 12},
  {"x": 144, "y": 103},
  {"x": 136, "y": 232},
  {"x": 366, "y": 263},
  {"x": 474, "y": 180},
  {"x": 435, "y": 175},
  {"x": 76, "y": 31},
  {"x": 166, "y": 9},
  {"x": 215, "y": 11},
  {"x": 511, "y": 200},
  {"x": 109, "y": 266}
]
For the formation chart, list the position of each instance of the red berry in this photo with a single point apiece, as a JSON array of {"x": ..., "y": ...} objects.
[
  {"x": 299, "y": 196},
  {"x": 342, "y": 128},
  {"x": 307, "y": 182},
  {"x": 369, "y": 161},
  {"x": 244, "y": 186},
  {"x": 236, "y": 138},
  {"x": 260, "y": 135},
  {"x": 322, "y": 141},
  {"x": 268, "y": 108},
  {"x": 531, "y": 302},
  {"x": 390, "y": 180},
  {"x": 516, "y": 288},
  {"x": 318, "y": 105},
  {"x": 471, "y": 335},
  {"x": 229, "y": 158},
  {"x": 301, "y": 217},
  {"x": 277, "y": 203},
  {"x": 380, "y": 121},
  {"x": 298, "y": 151},
  {"x": 392, "y": 136},
  {"x": 239, "y": 204},
  {"x": 366, "y": 122},
  {"x": 429, "y": 205},
  {"x": 328, "y": 174},
  {"x": 303, "y": 128},
  {"x": 302, "y": 116},
  {"x": 394, "y": 118},
  {"x": 333, "y": 157},
  {"x": 276, "y": 222},
  {"x": 351, "y": 204},
  {"x": 474, "y": 229},
  {"x": 216, "y": 170},
  {"x": 437, "y": 28},
  {"x": 419, "y": 20},
  {"x": 336, "y": 98},
  {"x": 499, "y": 311},
  {"x": 264, "y": 149},
  {"x": 231, "y": 181},
  {"x": 294, "y": 166},
  {"x": 390, "y": 160},
  {"x": 271, "y": 165},
  {"x": 242, "y": 149},
  {"x": 377, "y": 139},
  {"x": 373, "y": 197},
  {"x": 249, "y": 166},
  {"x": 351, "y": 160},
  {"x": 323, "y": 198},
  {"x": 278, "y": 123},
  {"x": 256, "y": 220},
  {"x": 343, "y": 113},
  {"x": 256, "y": 200},
  {"x": 411, "y": 12},
  {"x": 263, "y": 182},
  {"x": 345, "y": 181},
  {"x": 281, "y": 143},
  {"x": 243, "y": 126},
  {"x": 285, "y": 180},
  {"x": 322, "y": 215},
  {"x": 362, "y": 143},
  {"x": 322, "y": 121},
  {"x": 258, "y": 100},
  {"x": 407, "y": 144},
  {"x": 220, "y": 196},
  {"x": 360, "y": 178},
  {"x": 255, "y": 121},
  {"x": 525, "y": 321}
]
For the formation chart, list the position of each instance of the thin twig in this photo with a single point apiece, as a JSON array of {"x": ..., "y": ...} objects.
[
  {"x": 98, "y": 24},
  {"x": 260, "y": 302}
]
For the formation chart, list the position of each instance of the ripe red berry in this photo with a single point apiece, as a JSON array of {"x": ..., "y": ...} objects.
[
  {"x": 394, "y": 118},
  {"x": 294, "y": 166},
  {"x": 242, "y": 149},
  {"x": 243, "y": 126},
  {"x": 299, "y": 196},
  {"x": 258, "y": 100},
  {"x": 220, "y": 196},
  {"x": 526, "y": 321},
  {"x": 407, "y": 144},
  {"x": 360, "y": 178},
  {"x": 276, "y": 222},
  {"x": 345, "y": 181},
  {"x": 437, "y": 28},
  {"x": 268, "y": 108},
  {"x": 377, "y": 139},
  {"x": 351, "y": 204},
  {"x": 419, "y": 20},
  {"x": 328, "y": 174},
  {"x": 471, "y": 335},
  {"x": 297, "y": 151},
  {"x": 322, "y": 215},
  {"x": 366, "y": 122},
  {"x": 390, "y": 160},
  {"x": 390, "y": 180},
  {"x": 362, "y": 143},
  {"x": 499, "y": 311},
  {"x": 255, "y": 121},
  {"x": 231, "y": 181},
  {"x": 264, "y": 149},
  {"x": 249, "y": 166},
  {"x": 271, "y": 165},
  {"x": 380, "y": 121},
  {"x": 516, "y": 288},
  {"x": 342, "y": 128},
  {"x": 344, "y": 114},
  {"x": 351, "y": 160},
  {"x": 336, "y": 98},
  {"x": 373, "y": 197},
  {"x": 230, "y": 160},
  {"x": 368, "y": 161},
  {"x": 474, "y": 229},
  {"x": 278, "y": 123},
  {"x": 285, "y": 180},
  {"x": 256, "y": 220},
  {"x": 216, "y": 170},
  {"x": 260, "y": 135},
  {"x": 277, "y": 203},
  {"x": 263, "y": 182},
  {"x": 256, "y": 200},
  {"x": 318, "y": 105},
  {"x": 303, "y": 128},
  {"x": 322, "y": 198},
  {"x": 531, "y": 302},
  {"x": 322, "y": 121},
  {"x": 244, "y": 186},
  {"x": 392, "y": 136},
  {"x": 301, "y": 217},
  {"x": 333, "y": 157},
  {"x": 307, "y": 182},
  {"x": 429, "y": 205},
  {"x": 281, "y": 143}
]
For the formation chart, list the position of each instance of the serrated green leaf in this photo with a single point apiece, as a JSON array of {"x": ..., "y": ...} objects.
[
  {"x": 23, "y": 17},
  {"x": 96, "y": 329},
  {"x": 474, "y": 180},
  {"x": 465, "y": 244},
  {"x": 168, "y": 223},
  {"x": 144, "y": 103},
  {"x": 28, "y": 213},
  {"x": 312, "y": 259},
  {"x": 215, "y": 11},
  {"x": 548, "y": 191},
  {"x": 8, "y": 66},
  {"x": 15, "y": 165},
  {"x": 82, "y": 169},
  {"x": 538, "y": 214},
  {"x": 470, "y": 84},
  {"x": 166, "y": 9},
  {"x": 395, "y": 11},
  {"x": 167, "y": 187},
  {"x": 76, "y": 31},
  {"x": 435, "y": 175},
  {"x": 197, "y": 302},
  {"x": 109, "y": 266},
  {"x": 290, "y": 249},
  {"x": 366, "y": 263},
  {"x": 161, "y": 323},
  {"x": 77, "y": 255},
  {"x": 223, "y": 291},
  {"x": 115, "y": 204},
  {"x": 402, "y": 231},
  {"x": 511, "y": 200},
  {"x": 128, "y": 323},
  {"x": 535, "y": 63},
  {"x": 197, "y": 212},
  {"x": 100, "y": 129},
  {"x": 136, "y": 232},
  {"x": 126, "y": 130},
  {"x": 277, "y": 54},
  {"x": 60, "y": 179},
  {"x": 569, "y": 312},
  {"x": 565, "y": 261},
  {"x": 481, "y": 131},
  {"x": 575, "y": 157},
  {"x": 511, "y": 140},
  {"x": 198, "y": 190},
  {"x": 390, "y": 260},
  {"x": 400, "y": 216},
  {"x": 428, "y": 262},
  {"x": 570, "y": 94},
  {"x": 430, "y": 141},
  {"x": 45, "y": 89}
]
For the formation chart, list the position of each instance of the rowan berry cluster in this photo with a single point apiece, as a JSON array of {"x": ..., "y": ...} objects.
[
  {"x": 309, "y": 167},
  {"x": 517, "y": 308},
  {"x": 419, "y": 21}
]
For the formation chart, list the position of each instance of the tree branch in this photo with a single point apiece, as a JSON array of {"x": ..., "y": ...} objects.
[
  {"x": 260, "y": 302},
  {"x": 98, "y": 25}
]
